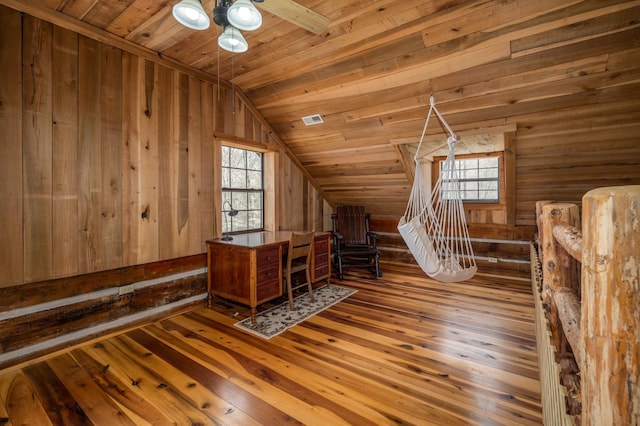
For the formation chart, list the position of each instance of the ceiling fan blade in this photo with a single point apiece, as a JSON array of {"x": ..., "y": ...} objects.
[{"x": 296, "y": 14}]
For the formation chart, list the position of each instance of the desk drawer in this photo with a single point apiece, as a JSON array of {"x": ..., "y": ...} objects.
[
  {"x": 268, "y": 258},
  {"x": 321, "y": 247},
  {"x": 268, "y": 290},
  {"x": 321, "y": 271},
  {"x": 267, "y": 274}
]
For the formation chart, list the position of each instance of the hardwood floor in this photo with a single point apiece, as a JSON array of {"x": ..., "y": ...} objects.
[{"x": 402, "y": 350}]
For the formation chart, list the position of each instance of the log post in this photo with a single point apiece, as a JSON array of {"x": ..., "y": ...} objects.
[
  {"x": 560, "y": 270},
  {"x": 545, "y": 294},
  {"x": 539, "y": 221},
  {"x": 611, "y": 306}
]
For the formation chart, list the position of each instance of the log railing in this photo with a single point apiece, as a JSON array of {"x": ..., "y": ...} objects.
[
  {"x": 553, "y": 393},
  {"x": 590, "y": 291}
]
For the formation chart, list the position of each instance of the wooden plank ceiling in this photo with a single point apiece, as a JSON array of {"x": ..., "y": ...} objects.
[{"x": 489, "y": 64}]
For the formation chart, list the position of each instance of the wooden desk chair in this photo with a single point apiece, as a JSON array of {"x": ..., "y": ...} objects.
[{"x": 298, "y": 260}]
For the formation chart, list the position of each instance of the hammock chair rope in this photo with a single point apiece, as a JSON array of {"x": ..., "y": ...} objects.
[{"x": 434, "y": 225}]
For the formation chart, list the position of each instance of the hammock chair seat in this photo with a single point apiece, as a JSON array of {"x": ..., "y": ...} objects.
[{"x": 421, "y": 246}]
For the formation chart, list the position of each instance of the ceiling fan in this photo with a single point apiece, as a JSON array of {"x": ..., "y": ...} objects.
[{"x": 243, "y": 15}]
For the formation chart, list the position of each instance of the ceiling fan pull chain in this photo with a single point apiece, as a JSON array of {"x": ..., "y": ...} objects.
[{"x": 218, "y": 66}]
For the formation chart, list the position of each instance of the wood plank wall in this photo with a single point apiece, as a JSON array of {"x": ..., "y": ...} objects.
[
  {"x": 107, "y": 159},
  {"x": 562, "y": 155}
]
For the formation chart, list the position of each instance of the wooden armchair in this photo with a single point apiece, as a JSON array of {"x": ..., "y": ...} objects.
[{"x": 353, "y": 244}]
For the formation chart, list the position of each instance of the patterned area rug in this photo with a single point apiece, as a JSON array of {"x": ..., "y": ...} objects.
[{"x": 279, "y": 319}]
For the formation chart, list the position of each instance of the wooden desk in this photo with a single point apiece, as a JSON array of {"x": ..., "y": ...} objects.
[{"x": 248, "y": 269}]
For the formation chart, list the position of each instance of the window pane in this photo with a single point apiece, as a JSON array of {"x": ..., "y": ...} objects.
[
  {"x": 469, "y": 174},
  {"x": 468, "y": 186},
  {"x": 489, "y": 162},
  {"x": 226, "y": 198},
  {"x": 488, "y": 173},
  {"x": 255, "y": 201},
  {"x": 488, "y": 195},
  {"x": 225, "y": 156},
  {"x": 254, "y": 160},
  {"x": 255, "y": 219},
  {"x": 238, "y": 158},
  {"x": 240, "y": 222},
  {"x": 470, "y": 195},
  {"x": 490, "y": 184},
  {"x": 254, "y": 179},
  {"x": 468, "y": 164},
  {"x": 488, "y": 190},
  {"x": 238, "y": 178},
  {"x": 226, "y": 178},
  {"x": 239, "y": 201}
]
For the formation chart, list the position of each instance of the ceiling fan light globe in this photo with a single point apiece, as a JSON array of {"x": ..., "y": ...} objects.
[
  {"x": 191, "y": 14},
  {"x": 244, "y": 15},
  {"x": 232, "y": 40}
]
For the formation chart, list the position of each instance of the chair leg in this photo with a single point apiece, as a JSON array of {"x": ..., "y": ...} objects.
[
  {"x": 375, "y": 266},
  {"x": 289, "y": 291},
  {"x": 309, "y": 285}
]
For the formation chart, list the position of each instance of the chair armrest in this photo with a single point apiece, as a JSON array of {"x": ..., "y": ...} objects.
[
  {"x": 337, "y": 239},
  {"x": 372, "y": 237}
]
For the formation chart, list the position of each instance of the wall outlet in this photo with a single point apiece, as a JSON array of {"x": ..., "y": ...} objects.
[
  {"x": 490, "y": 260},
  {"x": 125, "y": 289}
]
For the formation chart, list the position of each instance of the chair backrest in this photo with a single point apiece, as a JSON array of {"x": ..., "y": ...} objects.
[
  {"x": 353, "y": 223},
  {"x": 300, "y": 244}
]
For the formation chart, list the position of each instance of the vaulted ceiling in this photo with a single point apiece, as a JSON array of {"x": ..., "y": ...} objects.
[{"x": 489, "y": 64}]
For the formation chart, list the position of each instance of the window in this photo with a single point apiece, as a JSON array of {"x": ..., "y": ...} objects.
[
  {"x": 479, "y": 179},
  {"x": 242, "y": 190}
]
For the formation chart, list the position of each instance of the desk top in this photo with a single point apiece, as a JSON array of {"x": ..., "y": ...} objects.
[{"x": 258, "y": 239}]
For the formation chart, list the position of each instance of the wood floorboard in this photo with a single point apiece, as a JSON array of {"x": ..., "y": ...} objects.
[{"x": 403, "y": 350}]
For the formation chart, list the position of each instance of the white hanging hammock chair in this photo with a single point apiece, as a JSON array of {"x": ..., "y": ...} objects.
[{"x": 434, "y": 225}]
